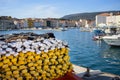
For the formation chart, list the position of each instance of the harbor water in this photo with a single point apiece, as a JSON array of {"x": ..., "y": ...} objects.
[{"x": 84, "y": 51}]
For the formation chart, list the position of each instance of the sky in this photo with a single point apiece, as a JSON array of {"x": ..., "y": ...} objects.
[{"x": 54, "y": 8}]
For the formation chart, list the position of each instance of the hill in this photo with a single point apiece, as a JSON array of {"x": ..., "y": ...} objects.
[{"x": 88, "y": 16}]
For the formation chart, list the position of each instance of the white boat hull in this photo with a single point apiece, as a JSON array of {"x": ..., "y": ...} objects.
[{"x": 112, "y": 40}]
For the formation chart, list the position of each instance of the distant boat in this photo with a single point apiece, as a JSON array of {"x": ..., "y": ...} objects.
[
  {"x": 85, "y": 29},
  {"x": 113, "y": 40},
  {"x": 58, "y": 29},
  {"x": 64, "y": 29},
  {"x": 98, "y": 34}
]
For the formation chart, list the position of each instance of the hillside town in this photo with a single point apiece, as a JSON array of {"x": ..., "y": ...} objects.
[
  {"x": 101, "y": 20},
  {"x": 7, "y": 22}
]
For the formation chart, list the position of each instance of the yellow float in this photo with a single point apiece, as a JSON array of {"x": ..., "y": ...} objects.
[{"x": 35, "y": 64}]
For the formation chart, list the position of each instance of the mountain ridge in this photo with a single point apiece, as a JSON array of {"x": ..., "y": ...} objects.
[{"x": 87, "y": 15}]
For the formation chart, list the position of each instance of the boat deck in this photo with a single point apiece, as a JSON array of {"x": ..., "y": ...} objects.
[{"x": 94, "y": 74}]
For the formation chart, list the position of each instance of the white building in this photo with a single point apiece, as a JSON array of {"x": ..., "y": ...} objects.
[
  {"x": 21, "y": 23},
  {"x": 107, "y": 19},
  {"x": 113, "y": 20},
  {"x": 16, "y": 22},
  {"x": 38, "y": 23},
  {"x": 101, "y": 19},
  {"x": 24, "y": 23},
  {"x": 109, "y": 22}
]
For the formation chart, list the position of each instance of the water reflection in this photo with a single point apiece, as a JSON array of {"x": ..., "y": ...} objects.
[
  {"x": 112, "y": 52},
  {"x": 112, "y": 55},
  {"x": 99, "y": 43}
]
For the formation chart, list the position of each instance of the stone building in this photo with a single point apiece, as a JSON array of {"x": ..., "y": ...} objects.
[{"x": 6, "y": 22}]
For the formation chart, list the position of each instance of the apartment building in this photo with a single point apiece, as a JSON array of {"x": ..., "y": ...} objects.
[
  {"x": 6, "y": 22},
  {"x": 108, "y": 19},
  {"x": 101, "y": 19},
  {"x": 113, "y": 20}
]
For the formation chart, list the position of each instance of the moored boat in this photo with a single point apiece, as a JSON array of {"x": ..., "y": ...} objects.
[
  {"x": 98, "y": 34},
  {"x": 113, "y": 40}
]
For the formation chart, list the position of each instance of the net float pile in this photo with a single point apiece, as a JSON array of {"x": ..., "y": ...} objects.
[{"x": 33, "y": 56}]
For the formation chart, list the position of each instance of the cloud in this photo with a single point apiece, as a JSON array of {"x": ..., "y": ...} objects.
[{"x": 40, "y": 11}]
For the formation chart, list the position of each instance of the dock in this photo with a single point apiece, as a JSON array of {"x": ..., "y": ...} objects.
[{"x": 94, "y": 74}]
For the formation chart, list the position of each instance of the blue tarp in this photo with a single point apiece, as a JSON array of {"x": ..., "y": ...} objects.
[{"x": 99, "y": 32}]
